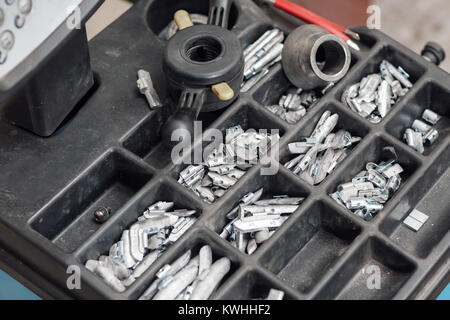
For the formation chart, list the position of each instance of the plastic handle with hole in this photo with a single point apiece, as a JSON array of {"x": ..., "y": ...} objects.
[
  {"x": 180, "y": 126},
  {"x": 219, "y": 12}
]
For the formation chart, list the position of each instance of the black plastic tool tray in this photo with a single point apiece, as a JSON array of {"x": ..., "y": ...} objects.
[{"x": 109, "y": 153}]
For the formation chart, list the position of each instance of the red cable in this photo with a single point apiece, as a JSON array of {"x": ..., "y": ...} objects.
[{"x": 311, "y": 17}]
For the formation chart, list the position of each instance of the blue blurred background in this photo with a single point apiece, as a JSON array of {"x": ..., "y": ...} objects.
[
  {"x": 13, "y": 290},
  {"x": 10, "y": 289}
]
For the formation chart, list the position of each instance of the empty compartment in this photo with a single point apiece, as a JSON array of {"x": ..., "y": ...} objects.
[
  {"x": 68, "y": 219},
  {"x": 146, "y": 136},
  {"x": 252, "y": 286},
  {"x": 160, "y": 13},
  {"x": 373, "y": 152},
  {"x": 397, "y": 58},
  {"x": 309, "y": 249},
  {"x": 347, "y": 122},
  {"x": 194, "y": 243},
  {"x": 432, "y": 96},
  {"x": 163, "y": 191},
  {"x": 373, "y": 272},
  {"x": 144, "y": 141},
  {"x": 426, "y": 197},
  {"x": 278, "y": 184}
]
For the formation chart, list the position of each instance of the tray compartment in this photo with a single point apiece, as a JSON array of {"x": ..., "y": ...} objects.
[
  {"x": 68, "y": 219},
  {"x": 372, "y": 65},
  {"x": 196, "y": 240},
  {"x": 347, "y": 121},
  {"x": 248, "y": 117},
  {"x": 432, "y": 96},
  {"x": 278, "y": 184},
  {"x": 145, "y": 137},
  {"x": 355, "y": 274},
  {"x": 275, "y": 84},
  {"x": 161, "y": 191},
  {"x": 433, "y": 204},
  {"x": 310, "y": 247},
  {"x": 253, "y": 285},
  {"x": 373, "y": 152}
]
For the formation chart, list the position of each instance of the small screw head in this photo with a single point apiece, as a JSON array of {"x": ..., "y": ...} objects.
[{"x": 102, "y": 214}]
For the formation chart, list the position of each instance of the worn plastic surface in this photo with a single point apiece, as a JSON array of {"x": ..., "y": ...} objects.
[{"x": 110, "y": 154}]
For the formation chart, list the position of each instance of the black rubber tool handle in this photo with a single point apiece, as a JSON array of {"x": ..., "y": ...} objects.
[
  {"x": 182, "y": 122},
  {"x": 219, "y": 12}
]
